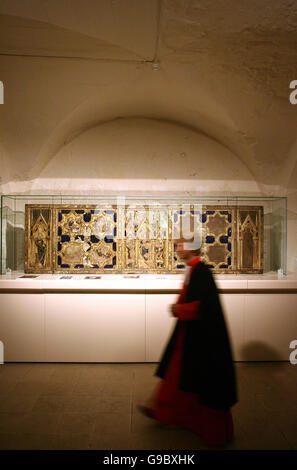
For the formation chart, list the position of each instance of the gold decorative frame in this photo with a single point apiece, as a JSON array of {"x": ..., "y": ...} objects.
[
  {"x": 34, "y": 235},
  {"x": 254, "y": 225},
  {"x": 142, "y": 239}
]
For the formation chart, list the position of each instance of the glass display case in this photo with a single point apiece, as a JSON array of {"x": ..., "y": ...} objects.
[{"x": 138, "y": 234}]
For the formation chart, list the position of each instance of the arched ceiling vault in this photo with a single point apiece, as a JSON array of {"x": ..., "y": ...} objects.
[{"x": 224, "y": 69}]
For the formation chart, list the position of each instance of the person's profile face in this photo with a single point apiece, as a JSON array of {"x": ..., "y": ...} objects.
[{"x": 181, "y": 252}]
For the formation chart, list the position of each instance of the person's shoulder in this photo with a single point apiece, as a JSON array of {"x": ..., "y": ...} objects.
[
  {"x": 203, "y": 270},
  {"x": 202, "y": 266}
]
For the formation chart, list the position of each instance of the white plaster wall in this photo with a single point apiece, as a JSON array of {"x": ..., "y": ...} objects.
[{"x": 145, "y": 155}]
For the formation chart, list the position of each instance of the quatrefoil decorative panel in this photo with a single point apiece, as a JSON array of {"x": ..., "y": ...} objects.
[{"x": 125, "y": 239}]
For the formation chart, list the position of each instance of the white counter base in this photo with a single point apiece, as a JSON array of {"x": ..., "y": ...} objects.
[{"x": 116, "y": 319}]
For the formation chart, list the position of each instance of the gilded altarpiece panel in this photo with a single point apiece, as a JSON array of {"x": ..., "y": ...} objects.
[
  {"x": 219, "y": 238},
  {"x": 140, "y": 239},
  {"x": 38, "y": 239},
  {"x": 85, "y": 239},
  {"x": 250, "y": 239},
  {"x": 146, "y": 244}
]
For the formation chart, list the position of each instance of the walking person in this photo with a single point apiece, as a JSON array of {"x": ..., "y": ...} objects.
[{"x": 198, "y": 386}]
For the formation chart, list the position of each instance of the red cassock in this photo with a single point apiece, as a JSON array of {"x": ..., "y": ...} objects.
[{"x": 172, "y": 406}]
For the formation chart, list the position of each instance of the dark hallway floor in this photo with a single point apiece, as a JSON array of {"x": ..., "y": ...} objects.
[{"x": 94, "y": 406}]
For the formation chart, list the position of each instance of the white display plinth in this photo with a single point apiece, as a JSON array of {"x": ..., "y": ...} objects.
[{"x": 126, "y": 319}]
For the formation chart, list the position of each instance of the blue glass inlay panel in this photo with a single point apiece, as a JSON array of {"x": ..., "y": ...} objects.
[
  {"x": 87, "y": 217},
  {"x": 94, "y": 239}
]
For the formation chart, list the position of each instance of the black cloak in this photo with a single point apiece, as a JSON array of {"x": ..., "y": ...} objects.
[{"x": 207, "y": 365}]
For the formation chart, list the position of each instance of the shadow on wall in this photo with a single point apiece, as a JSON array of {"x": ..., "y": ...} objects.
[
  {"x": 275, "y": 250},
  {"x": 15, "y": 247},
  {"x": 272, "y": 238},
  {"x": 257, "y": 351}
]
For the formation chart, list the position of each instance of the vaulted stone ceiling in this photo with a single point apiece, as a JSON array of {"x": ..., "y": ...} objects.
[{"x": 224, "y": 69}]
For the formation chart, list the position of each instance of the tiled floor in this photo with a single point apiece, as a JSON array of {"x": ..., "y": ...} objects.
[{"x": 93, "y": 406}]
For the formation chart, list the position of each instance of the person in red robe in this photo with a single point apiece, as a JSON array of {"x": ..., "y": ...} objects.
[{"x": 199, "y": 386}]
